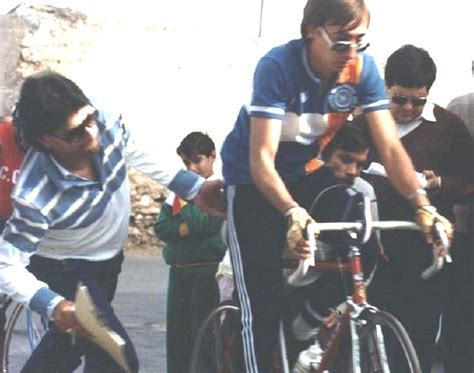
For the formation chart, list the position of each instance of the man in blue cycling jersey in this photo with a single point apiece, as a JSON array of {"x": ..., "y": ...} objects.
[
  {"x": 302, "y": 94},
  {"x": 71, "y": 207}
]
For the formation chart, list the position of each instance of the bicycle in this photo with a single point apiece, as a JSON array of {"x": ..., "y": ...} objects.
[
  {"x": 21, "y": 330},
  {"x": 365, "y": 339}
]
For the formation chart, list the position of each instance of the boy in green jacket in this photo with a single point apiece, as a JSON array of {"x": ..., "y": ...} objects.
[{"x": 193, "y": 250}]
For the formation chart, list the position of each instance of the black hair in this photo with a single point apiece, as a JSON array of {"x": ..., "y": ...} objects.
[
  {"x": 350, "y": 138},
  {"x": 46, "y": 102},
  {"x": 196, "y": 143},
  {"x": 410, "y": 67}
]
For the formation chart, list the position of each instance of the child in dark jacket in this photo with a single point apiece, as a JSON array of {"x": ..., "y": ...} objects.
[{"x": 193, "y": 250}]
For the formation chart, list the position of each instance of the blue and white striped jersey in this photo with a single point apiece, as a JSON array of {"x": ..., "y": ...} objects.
[
  {"x": 286, "y": 88},
  {"x": 60, "y": 215}
]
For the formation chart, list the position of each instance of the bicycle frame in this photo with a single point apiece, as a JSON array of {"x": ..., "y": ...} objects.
[
  {"x": 356, "y": 303},
  {"x": 365, "y": 322}
]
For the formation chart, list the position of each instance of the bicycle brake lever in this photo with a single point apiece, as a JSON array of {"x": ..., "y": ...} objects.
[
  {"x": 432, "y": 269},
  {"x": 440, "y": 238},
  {"x": 311, "y": 231},
  {"x": 367, "y": 223},
  {"x": 298, "y": 277}
]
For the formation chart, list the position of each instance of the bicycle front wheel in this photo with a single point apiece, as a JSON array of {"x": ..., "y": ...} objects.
[
  {"x": 385, "y": 345},
  {"x": 23, "y": 331}
]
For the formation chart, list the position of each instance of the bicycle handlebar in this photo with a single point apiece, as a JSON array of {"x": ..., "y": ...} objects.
[
  {"x": 312, "y": 230},
  {"x": 358, "y": 226},
  {"x": 296, "y": 278}
]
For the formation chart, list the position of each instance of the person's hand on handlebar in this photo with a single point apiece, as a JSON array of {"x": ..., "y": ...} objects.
[
  {"x": 426, "y": 217},
  {"x": 298, "y": 218}
]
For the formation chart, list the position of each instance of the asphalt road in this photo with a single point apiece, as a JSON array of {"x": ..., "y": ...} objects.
[{"x": 140, "y": 303}]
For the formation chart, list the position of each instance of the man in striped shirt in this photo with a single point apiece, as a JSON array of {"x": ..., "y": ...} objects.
[{"x": 71, "y": 208}]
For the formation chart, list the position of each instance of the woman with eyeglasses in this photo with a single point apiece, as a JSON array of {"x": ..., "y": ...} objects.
[
  {"x": 442, "y": 150},
  {"x": 303, "y": 92}
]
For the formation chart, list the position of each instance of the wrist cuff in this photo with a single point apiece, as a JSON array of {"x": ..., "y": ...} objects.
[
  {"x": 419, "y": 191},
  {"x": 290, "y": 210},
  {"x": 427, "y": 208},
  {"x": 186, "y": 184}
]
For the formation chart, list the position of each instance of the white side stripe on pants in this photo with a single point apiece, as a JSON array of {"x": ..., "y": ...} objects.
[{"x": 245, "y": 308}]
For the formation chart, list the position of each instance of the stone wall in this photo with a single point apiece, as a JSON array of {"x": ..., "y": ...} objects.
[
  {"x": 12, "y": 31},
  {"x": 38, "y": 38},
  {"x": 146, "y": 197}
]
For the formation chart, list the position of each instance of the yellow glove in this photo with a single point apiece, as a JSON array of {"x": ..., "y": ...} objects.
[
  {"x": 298, "y": 218},
  {"x": 426, "y": 216}
]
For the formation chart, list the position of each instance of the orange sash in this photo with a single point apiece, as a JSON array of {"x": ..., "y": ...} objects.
[{"x": 350, "y": 75}]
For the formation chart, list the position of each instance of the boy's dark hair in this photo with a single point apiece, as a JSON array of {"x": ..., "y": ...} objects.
[
  {"x": 410, "y": 67},
  {"x": 196, "y": 143},
  {"x": 350, "y": 138},
  {"x": 46, "y": 102},
  {"x": 339, "y": 12}
]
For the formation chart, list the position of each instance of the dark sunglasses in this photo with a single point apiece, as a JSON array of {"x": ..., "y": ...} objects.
[
  {"x": 415, "y": 101},
  {"x": 342, "y": 46},
  {"x": 77, "y": 133}
]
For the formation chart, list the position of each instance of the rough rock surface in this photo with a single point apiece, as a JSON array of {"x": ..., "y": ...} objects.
[
  {"x": 37, "y": 38},
  {"x": 146, "y": 202}
]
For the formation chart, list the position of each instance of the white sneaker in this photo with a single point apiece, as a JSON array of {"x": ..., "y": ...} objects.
[{"x": 308, "y": 359}]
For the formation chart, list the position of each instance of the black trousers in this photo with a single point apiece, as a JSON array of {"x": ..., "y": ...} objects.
[
  {"x": 257, "y": 234},
  {"x": 56, "y": 352},
  {"x": 192, "y": 295},
  {"x": 399, "y": 289},
  {"x": 458, "y": 318}
]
